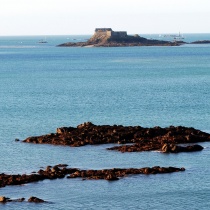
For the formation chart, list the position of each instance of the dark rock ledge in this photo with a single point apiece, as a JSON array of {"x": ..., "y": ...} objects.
[
  {"x": 61, "y": 172},
  {"x": 142, "y": 139}
]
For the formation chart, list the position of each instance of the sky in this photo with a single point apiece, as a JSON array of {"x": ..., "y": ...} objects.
[{"x": 75, "y": 17}]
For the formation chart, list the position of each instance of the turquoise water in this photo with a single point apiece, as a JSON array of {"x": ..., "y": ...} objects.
[{"x": 43, "y": 87}]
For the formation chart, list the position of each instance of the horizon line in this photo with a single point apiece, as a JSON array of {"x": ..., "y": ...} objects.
[{"x": 2, "y": 35}]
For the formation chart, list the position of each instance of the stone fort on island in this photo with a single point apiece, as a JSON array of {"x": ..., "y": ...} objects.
[
  {"x": 106, "y": 37},
  {"x": 110, "y": 33}
]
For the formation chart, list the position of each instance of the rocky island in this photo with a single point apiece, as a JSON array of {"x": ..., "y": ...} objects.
[
  {"x": 106, "y": 37},
  {"x": 130, "y": 138}
]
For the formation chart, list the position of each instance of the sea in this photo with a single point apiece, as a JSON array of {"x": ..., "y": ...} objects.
[{"x": 43, "y": 87}]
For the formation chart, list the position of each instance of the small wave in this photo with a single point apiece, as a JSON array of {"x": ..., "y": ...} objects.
[
  {"x": 17, "y": 46},
  {"x": 156, "y": 151}
]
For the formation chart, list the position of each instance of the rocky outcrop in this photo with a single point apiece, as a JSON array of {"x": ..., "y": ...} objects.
[
  {"x": 20, "y": 179},
  {"x": 61, "y": 172},
  {"x": 142, "y": 139}
]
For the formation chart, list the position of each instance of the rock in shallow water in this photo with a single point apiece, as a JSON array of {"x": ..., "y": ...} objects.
[
  {"x": 107, "y": 174},
  {"x": 143, "y": 139},
  {"x": 35, "y": 200},
  {"x": 5, "y": 200}
]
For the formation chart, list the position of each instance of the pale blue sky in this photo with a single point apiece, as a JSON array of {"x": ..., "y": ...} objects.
[{"x": 57, "y": 17}]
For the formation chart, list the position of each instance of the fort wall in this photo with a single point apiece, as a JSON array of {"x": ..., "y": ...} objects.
[
  {"x": 103, "y": 29},
  {"x": 110, "y": 33},
  {"x": 119, "y": 33}
]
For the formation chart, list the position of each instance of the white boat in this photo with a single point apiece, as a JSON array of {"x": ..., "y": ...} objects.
[
  {"x": 178, "y": 37},
  {"x": 42, "y": 41}
]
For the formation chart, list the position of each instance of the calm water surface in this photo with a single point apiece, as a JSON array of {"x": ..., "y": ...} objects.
[{"x": 43, "y": 87}]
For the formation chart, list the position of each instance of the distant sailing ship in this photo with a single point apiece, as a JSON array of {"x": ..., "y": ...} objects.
[
  {"x": 176, "y": 37},
  {"x": 42, "y": 41}
]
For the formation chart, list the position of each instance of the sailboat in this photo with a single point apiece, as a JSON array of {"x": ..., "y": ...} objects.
[
  {"x": 178, "y": 37},
  {"x": 42, "y": 41}
]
